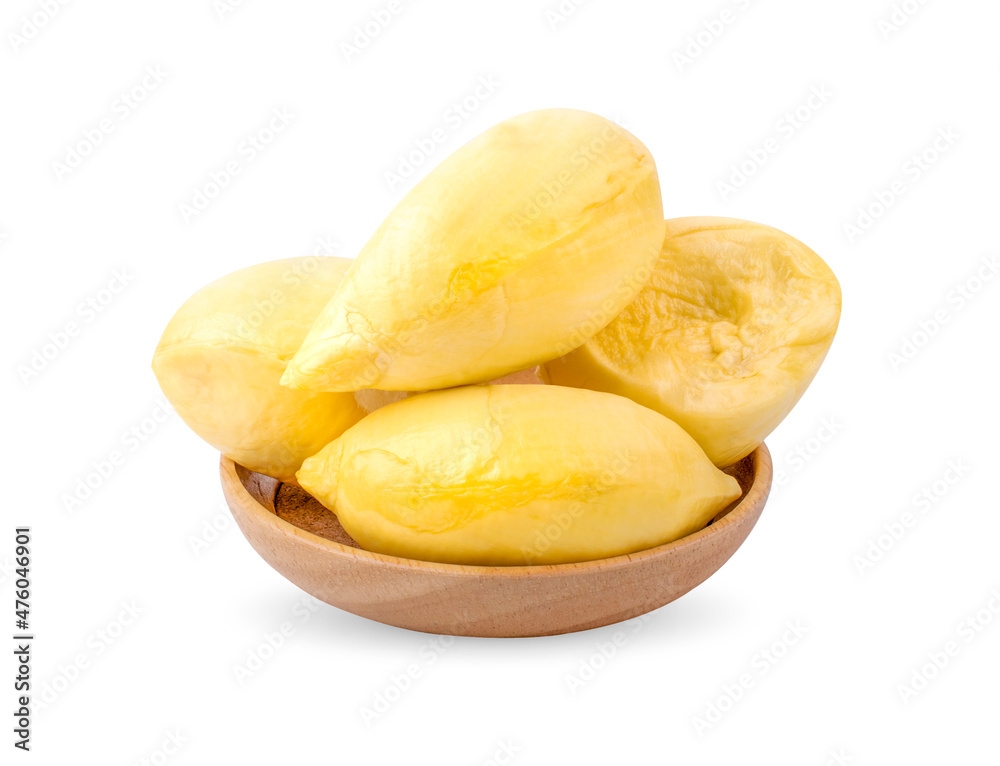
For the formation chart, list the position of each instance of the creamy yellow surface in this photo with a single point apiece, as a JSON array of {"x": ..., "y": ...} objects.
[
  {"x": 372, "y": 399},
  {"x": 222, "y": 355},
  {"x": 516, "y": 249},
  {"x": 515, "y": 474},
  {"x": 724, "y": 340}
]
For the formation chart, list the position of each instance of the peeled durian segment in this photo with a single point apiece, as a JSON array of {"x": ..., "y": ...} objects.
[
  {"x": 724, "y": 339},
  {"x": 222, "y": 355},
  {"x": 516, "y": 249},
  {"x": 515, "y": 474}
]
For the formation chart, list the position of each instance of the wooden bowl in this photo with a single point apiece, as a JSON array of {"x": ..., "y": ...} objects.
[{"x": 305, "y": 543}]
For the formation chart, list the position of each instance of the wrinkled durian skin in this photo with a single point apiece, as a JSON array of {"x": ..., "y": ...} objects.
[
  {"x": 515, "y": 475},
  {"x": 725, "y": 339},
  {"x": 515, "y": 250},
  {"x": 221, "y": 358}
]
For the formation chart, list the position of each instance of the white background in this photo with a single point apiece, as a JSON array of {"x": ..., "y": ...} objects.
[{"x": 872, "y": 434}]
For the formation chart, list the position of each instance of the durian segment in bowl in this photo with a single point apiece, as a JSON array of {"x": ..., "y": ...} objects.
[
  {"x": 730, "y": 331},
  {"x": 222, "y": 355},
  {"x": 304, "y": 542},
  {"x": 516, "y": 249},
  {"x": 516, "y": 474}
]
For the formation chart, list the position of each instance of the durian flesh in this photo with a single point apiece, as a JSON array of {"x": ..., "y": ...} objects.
[
  {"x": 222, "y": 355},
  {"x": 515, "y": 474},
  {"x": 516, "y": 249},
  {"x": 372, "y": 399},
  {"x": 724, "y": 340}
]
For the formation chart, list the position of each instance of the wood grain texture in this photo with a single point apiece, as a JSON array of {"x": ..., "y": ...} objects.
[{"x": 304, "y": 542}]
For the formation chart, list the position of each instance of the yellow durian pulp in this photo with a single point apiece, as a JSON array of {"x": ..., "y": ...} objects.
[
  {"x": 516, "y": 474},
  {"x": 515, "y": 250},
  {"x": 372, "y": 399},
  {"x": 730, "y": 331},
  {"x": 222, "y": 355}
]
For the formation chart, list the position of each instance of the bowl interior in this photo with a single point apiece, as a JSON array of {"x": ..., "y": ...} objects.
[
  {"x": 294, "y": 505},
  {"x": 303, "y": 541}
]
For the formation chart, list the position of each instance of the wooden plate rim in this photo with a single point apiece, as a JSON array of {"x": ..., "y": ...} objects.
[{"x": 755, "y": 497}]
